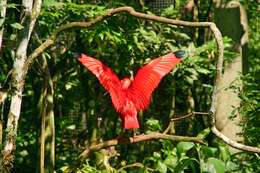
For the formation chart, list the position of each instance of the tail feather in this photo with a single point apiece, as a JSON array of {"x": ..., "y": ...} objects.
[{"x": 131, "y": 122}]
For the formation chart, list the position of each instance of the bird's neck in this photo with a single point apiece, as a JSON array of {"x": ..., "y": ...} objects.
[{"x": 126, "y": 82}]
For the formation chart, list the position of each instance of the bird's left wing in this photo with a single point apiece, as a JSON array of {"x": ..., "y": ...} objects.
[
  {"x": 148, "y": 78},
  {"x": 105, "y": 75}
]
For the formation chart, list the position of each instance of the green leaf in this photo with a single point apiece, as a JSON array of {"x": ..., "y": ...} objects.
[
  {"x": 153, "y": 124},
  {"x": 171, "y": 161},
  {"x": 186, "y": 163},
  {"x": 47, "y": 55},
  {"x": 215, "y": 166},
  {"x": 161, "y": 167},
  {"x": 204, "y": 133},
  {"x": 231, "y": 166},
  {"x": 52, "y": 3},
  {"x": 17, "y": 26},
  {"x": 68, "y": 86},
  {"x": 2, "y": 22},
  {"x": 224, "y": 153},
  {"x": 157, "y": 155},
  {"x": 23, "y": 153},
  {"x": 189, "y": 79},
  {"x": 64, "y": 168},
  {"x": 203, "y": 71},
  {"x": 208, "y": 151},
  {"x": 183, "y": 147},
  {"x": 12, "y": 5},
  {"x": 71, "y": 127},
  {"x": 13, "y": 37}
]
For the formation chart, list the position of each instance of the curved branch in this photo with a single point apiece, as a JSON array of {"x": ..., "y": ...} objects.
[
  {"x": 233, "y": 143},
  {"x": 131, "y": 11},
  {"x": 136, "y": 139}
]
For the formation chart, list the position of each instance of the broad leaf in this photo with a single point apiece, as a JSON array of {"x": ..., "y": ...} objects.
[
  {"x": 17, "y": 26},
  {"x": 183, "y": 147},
  {"x": 215, "y": 166}
]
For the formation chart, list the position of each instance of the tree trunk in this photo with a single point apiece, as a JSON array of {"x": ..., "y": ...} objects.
[
  {"x": 42, "y": 110},
  {"x": 3, "y": 96},
  {"x": 172, "y": 112},
  {"x": 231, "y": 20},
  {"x": 47, "y": 137},
  {"x": 3, "y": 4},
  {"x": 2, "y": 19},
  {"x": 31, "y": 11}
]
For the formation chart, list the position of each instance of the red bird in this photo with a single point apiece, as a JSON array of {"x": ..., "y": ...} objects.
[{"x": 129, "y": 97}]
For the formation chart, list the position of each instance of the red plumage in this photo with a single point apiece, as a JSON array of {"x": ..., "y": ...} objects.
[{"x": 129, "y": 97}]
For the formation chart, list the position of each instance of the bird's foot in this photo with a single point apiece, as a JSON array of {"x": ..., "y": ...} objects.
[{"x": 120, "y": 136}]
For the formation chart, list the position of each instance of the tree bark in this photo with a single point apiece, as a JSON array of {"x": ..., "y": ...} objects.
[
  {"x": 42, "y": 131},
  {"x": 47, "y": 137},
  {"x": 231, "y": 21},
  {"x": 3, "y": 96},
  {"x": 31, "y": 10},
  {"x": 171, "y": 127},
  {"x": 3, "y": 4}
]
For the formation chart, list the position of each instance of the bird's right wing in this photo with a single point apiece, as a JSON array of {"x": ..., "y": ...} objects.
[
  {"x": 105, "y": 75},
  {"x": 148, "y": 78}
]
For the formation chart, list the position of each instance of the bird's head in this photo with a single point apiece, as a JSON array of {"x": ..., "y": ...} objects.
[
  {"x": 180, "y": 54},
  {"x": 126, "y": 82}
]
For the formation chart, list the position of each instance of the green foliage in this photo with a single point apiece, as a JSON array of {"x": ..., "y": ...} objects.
[
  {"x": 17, "y": 26},
  {"x": 250, "y": 105},
  {"x": 188, "y": 157},
  {"x": 83, "y": 111},
  {"x": 250, "y": 94}
]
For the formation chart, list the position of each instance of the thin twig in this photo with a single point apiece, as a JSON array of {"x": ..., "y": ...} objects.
[
  {"x": 136, "y": 139},
  {"x": 137, "y": 164},
  {"x": 181, "y": 118},
  {"x": 189, "y": 115}
]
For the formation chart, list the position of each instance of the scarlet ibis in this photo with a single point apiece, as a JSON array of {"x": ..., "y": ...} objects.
[{"x": 130, "y": 96}]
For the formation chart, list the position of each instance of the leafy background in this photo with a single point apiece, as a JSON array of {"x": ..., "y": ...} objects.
[{"x": 83, "y": 111}]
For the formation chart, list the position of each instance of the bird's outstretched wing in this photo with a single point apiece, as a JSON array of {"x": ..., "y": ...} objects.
[
  {"x": 148, "y": 78},
  {"x": 105, "y": 75}
]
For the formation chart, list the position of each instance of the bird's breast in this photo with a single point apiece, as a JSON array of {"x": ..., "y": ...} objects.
[{"x": 128, "y": 108}]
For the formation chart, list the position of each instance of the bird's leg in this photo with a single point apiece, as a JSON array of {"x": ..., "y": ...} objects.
[{"x": 134, "y": 134}]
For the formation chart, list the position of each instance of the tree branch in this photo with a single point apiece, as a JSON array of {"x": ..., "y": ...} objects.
[
  {"x": 181, "y": 118},
  {"x": 233, "y": 143},
  {"x": 136, "y": 139},
  {"x": 131, "y": 11},
  {"x": 137, "y": 164},
  {"x": 189, "y": 115},
  {"x": 3, "y": 4}
]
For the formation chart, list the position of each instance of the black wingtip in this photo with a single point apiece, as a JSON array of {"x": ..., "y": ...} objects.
[
  {"x": 76, "y": 55},
  {"x": 180, "y": 53}
]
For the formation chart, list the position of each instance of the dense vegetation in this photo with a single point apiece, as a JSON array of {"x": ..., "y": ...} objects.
[{"x": 83, "y": 111}]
